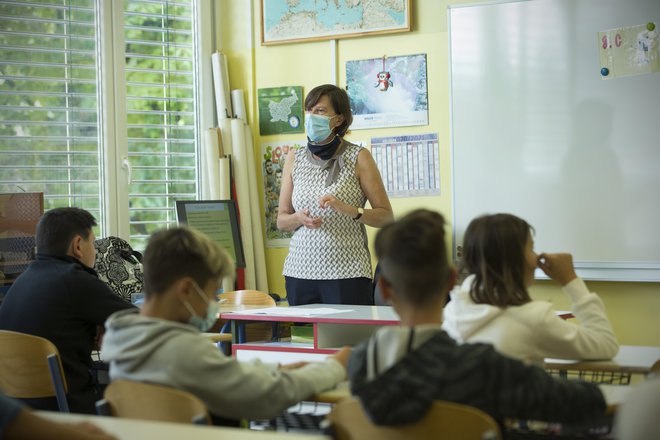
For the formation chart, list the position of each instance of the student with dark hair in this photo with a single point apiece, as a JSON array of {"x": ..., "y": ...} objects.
[
  {"x": 400, "y": 371},
  {"x": 19, "y": 423},
  {"x": 60, "y": 298},
  {"x": 183, "y": 270},
  {"x": 493, "y": 304},
  {"x": 324, "y": 190}
]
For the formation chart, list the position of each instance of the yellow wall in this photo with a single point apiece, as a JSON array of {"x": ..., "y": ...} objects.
[{"x": 634, "y": 308}]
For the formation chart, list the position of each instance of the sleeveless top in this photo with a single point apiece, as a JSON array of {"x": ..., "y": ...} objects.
[{"x": 338, "y": 249}]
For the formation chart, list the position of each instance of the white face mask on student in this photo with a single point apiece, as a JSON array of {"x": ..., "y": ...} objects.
[{"x": 203, "y": 323}]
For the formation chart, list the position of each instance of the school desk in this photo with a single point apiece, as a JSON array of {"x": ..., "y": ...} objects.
[
  {"x": 631, "y": 359},
  {"x": 130, "y": 429},
  {"x": 350, "y": 325}
]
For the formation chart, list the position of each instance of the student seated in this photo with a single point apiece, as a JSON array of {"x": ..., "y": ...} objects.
[
  {"x": 162, "y": 344},
  {"x": 493, "y": 304},
  {"x": 19, "y": 423},
  {"x": 60, "y": 298},
  {"x": 400, "y": 371}
]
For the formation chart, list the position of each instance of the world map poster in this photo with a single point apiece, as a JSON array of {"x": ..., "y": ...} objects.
[
  {"x": 281, "y": 110},
  {"x": 285, "y": 21}
]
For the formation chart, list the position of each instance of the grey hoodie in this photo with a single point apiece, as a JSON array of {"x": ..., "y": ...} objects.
[{"x": 145, "y": 349}]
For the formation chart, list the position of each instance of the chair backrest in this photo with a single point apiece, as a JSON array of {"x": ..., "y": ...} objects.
[
  {"x": 445, "y": 420},
  {"x": 247, "y": 298},
  {"x": 30, "y": 368},
  {"x": 254, "y": 331},
  {"x": 145, "y": 401}
]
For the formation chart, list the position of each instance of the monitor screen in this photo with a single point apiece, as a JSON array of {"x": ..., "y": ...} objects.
[{"x": 218, "y": 219}]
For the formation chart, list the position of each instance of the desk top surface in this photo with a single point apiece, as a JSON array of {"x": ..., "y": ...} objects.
[
  {"x": 347, "y": 314},
  {"x": 126, "y": 429},
  {"x": 631, "y": 359}
]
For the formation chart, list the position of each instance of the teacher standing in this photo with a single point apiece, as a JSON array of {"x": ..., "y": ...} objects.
[{"x": 324, "y": 190}]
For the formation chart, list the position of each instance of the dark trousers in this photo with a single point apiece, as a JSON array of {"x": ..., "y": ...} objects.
[{"x": 344, "y": 291}]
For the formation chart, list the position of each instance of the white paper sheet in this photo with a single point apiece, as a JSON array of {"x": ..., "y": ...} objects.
[{"x": 292, "y": 311}]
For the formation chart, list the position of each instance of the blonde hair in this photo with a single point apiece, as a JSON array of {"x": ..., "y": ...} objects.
[{"x": 172, "y": 254}]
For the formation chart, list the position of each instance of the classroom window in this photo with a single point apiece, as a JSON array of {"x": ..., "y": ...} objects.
[
  {"x": 103, "y": 120},
  {"x": 49, "y": 101}
]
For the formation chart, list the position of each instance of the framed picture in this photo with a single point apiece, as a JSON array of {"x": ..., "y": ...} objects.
[
  {"x": 281, "y": 110},
  {"x": 388, "y": 91},
  {"x": 285, "y": 21}
]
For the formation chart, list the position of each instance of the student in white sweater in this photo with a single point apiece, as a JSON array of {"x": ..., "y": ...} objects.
[
  {"x": 162, "y": 344},
  {"x": 493, "y": 304}
]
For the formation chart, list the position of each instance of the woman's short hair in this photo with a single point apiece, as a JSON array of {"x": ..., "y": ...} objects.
[
  {"x": 172, "y": 254},
  {"x": 339, "y": 101},
  {"x": 58, "y": 226},
  {"x": 412, "y": 256},
  {"x": 494, "y": 251}
]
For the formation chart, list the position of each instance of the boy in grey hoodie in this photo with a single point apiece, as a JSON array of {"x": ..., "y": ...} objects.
[
  {"x": 162, "y": 344},
  {"x": 400, "y": 371}
]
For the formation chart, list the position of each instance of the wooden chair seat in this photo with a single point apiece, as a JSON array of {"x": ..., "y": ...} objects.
[
  {"x": 445, "y": 420},
  {"x": 253, "y": 331},
  {"x": 137, "y": 400}
]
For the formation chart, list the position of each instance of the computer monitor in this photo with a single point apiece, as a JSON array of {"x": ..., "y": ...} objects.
[{"x": 218, "y": 219}]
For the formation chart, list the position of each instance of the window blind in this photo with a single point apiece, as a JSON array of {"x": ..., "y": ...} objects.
[
  {"x": 49, "y": 123},
  {"x": 161, "y": 111}
]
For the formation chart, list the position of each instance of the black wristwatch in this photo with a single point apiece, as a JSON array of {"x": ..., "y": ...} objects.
[{"x": 360, "y": 212}]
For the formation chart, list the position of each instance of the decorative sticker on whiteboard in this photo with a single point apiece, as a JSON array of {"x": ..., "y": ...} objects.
[
  {"x": 409, "y": 165},
  {"x": 631, "y": 50}
]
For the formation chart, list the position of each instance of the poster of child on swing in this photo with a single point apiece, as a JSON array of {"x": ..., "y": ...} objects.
[{"x": 388, "y": 91}]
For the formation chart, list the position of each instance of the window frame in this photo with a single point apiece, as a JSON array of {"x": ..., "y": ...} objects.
[{"x": 113, "y": 85}]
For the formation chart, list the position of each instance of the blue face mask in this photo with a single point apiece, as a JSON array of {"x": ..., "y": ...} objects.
[
  {"x": 205, "y": 322},
  {"x": 318, "y": 127}
]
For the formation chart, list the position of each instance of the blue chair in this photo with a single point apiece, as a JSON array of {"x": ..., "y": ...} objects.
[{"x": 30, "y": 368}]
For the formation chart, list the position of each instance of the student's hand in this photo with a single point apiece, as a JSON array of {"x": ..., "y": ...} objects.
[
  {"x": 342, "y": 356},
  {"x": 307, "y": 220},
  {"x": 558, "y": 267}
]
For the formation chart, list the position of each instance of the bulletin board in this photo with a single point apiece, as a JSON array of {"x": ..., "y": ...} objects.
[{"x": 539, "y": 132}]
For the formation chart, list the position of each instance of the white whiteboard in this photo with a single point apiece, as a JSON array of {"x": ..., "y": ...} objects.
[{"x": 537, "y": 133}]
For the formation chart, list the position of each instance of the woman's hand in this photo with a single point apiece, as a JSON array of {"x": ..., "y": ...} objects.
[
  {"x": 558, "y": 267},
  {"x": 307, "y": 220},
  {"x": 332, "y": 202}
]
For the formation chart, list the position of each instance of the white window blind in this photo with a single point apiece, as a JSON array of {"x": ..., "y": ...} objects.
[
  {"x": 49, "y": 101},
  {"x": 161, "y": 111},
  {"x": 52, "y": 107}
]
